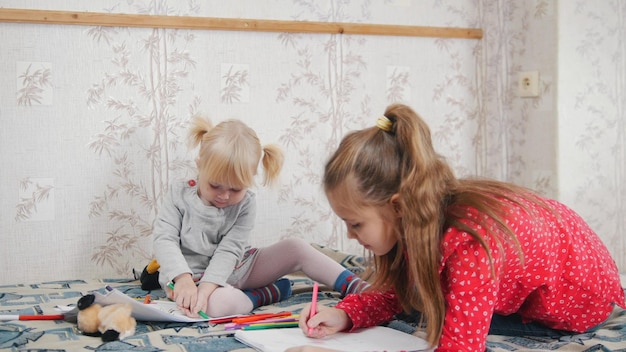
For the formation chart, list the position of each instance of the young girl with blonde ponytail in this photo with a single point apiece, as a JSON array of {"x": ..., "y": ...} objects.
[
  {"x": 202, "y": 231},
  {"x": 468, "y": 257}
]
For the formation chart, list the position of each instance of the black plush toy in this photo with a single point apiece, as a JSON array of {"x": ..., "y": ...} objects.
[
  {"x": 111, "y": 322},
  {"x": 150, "y": 276}
]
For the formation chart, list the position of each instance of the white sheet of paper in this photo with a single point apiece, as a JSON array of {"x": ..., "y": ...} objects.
[
  {"x": 156, "y": 311},
  {"x": 377, "y": 338}
]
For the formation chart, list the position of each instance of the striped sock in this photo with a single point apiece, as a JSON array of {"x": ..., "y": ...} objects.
[
  {"x": 347, "y": 282},
  {"x": 276, "y": 292}
]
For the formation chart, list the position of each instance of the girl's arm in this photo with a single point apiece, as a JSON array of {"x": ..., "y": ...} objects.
[
  {"x": 471, "y": 294},
  {"x": 370, "y": 308},
  {"x": 166, "y": 232}
]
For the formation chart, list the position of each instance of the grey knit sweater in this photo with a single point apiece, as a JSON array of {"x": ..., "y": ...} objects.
[{"x": 190, "y": 237}]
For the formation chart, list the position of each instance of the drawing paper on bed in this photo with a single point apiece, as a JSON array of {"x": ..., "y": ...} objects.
[
  {"x": 158, "y": 310},
  {"x": 155, "y": 311},
  {"x": 377, "y": 338}
]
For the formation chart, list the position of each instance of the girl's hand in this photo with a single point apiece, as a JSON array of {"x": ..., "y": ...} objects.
[
  {"x": 205, "y": 290},
  {"x": 185, "y": 294},
  {"x": 326, "y": 321}
]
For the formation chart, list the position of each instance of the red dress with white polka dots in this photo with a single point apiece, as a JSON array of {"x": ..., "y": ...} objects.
[{"x": 565, "y": 280}]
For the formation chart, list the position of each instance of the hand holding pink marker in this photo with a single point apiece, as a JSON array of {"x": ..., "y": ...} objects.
[{"x": 313, "y": 303}]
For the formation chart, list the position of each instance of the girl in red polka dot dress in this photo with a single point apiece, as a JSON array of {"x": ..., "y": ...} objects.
[{"x": 469, "y": 257}]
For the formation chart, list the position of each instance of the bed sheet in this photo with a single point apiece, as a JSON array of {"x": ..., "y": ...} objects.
[{"x": 42, "y": 298}]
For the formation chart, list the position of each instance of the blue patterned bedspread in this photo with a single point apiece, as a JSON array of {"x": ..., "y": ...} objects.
[{"x": 42, "y": 298}]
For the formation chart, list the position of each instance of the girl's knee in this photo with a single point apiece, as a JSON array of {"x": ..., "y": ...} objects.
[
  {"x": 297, "y": 244},
  {"x": 228, "y": 301}
]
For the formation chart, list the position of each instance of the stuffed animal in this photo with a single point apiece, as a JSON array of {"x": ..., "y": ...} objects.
[
  {"x": 150, "y": 276},
  {"x": 112, "y": 322}
]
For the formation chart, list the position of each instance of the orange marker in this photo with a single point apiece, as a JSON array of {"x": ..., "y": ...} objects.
[
  {"x": 147, "y": 299},
  {"x": 257, "y": 317}
]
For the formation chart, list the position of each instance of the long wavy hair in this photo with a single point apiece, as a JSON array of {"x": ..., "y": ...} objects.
[
  {"x": 230, "y": 153},
  {"x": 378, "y": 164}
]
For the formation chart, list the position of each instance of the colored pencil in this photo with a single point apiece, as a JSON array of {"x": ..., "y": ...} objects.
[
  {"x": 235, "y": 326},
  {"x": 223, "y": 320},
  {"x": 257, "y": 317},
  {"x": 32, "y": 317},
  {"x": 270, "y": 326}
]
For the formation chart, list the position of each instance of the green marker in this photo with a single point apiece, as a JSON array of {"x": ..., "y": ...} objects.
[
  {"x": 200, "y": 313},
  {"x": 203, "y": 314},
  {"x": 276, "y": 325}
]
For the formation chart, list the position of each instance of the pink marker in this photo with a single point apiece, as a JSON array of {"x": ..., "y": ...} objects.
[{"x": 313, "y": 303}]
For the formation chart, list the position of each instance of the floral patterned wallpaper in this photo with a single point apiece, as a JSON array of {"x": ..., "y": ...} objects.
[
  {"x": 93, "y": 126},
  {"x": 592, "y": 117}
]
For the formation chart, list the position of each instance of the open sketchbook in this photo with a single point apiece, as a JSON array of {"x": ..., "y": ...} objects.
[
  {"x": 158, "y": 310},
  {"x": 377, "y": 338}
]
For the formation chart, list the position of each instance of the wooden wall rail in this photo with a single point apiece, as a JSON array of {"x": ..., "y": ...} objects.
[{"x": 229, "y": 24}]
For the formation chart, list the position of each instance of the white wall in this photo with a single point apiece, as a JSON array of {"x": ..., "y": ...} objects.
[
  {"x": 592, "y": 116},
  {"x": 79, "y": 192}
]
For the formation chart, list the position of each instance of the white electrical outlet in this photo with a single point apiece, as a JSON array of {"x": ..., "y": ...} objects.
[{"x": 528, "y": 84}]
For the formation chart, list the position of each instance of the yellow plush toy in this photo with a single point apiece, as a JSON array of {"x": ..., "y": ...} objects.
[{"x": 112, "y": 322}]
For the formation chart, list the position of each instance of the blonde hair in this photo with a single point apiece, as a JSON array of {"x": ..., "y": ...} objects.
[
  {"x": 379, "y": 162},
  {"x": 230, "y": 153}
]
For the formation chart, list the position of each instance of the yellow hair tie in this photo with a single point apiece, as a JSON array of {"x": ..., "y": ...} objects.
[{"x": 384, "y": 123}]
